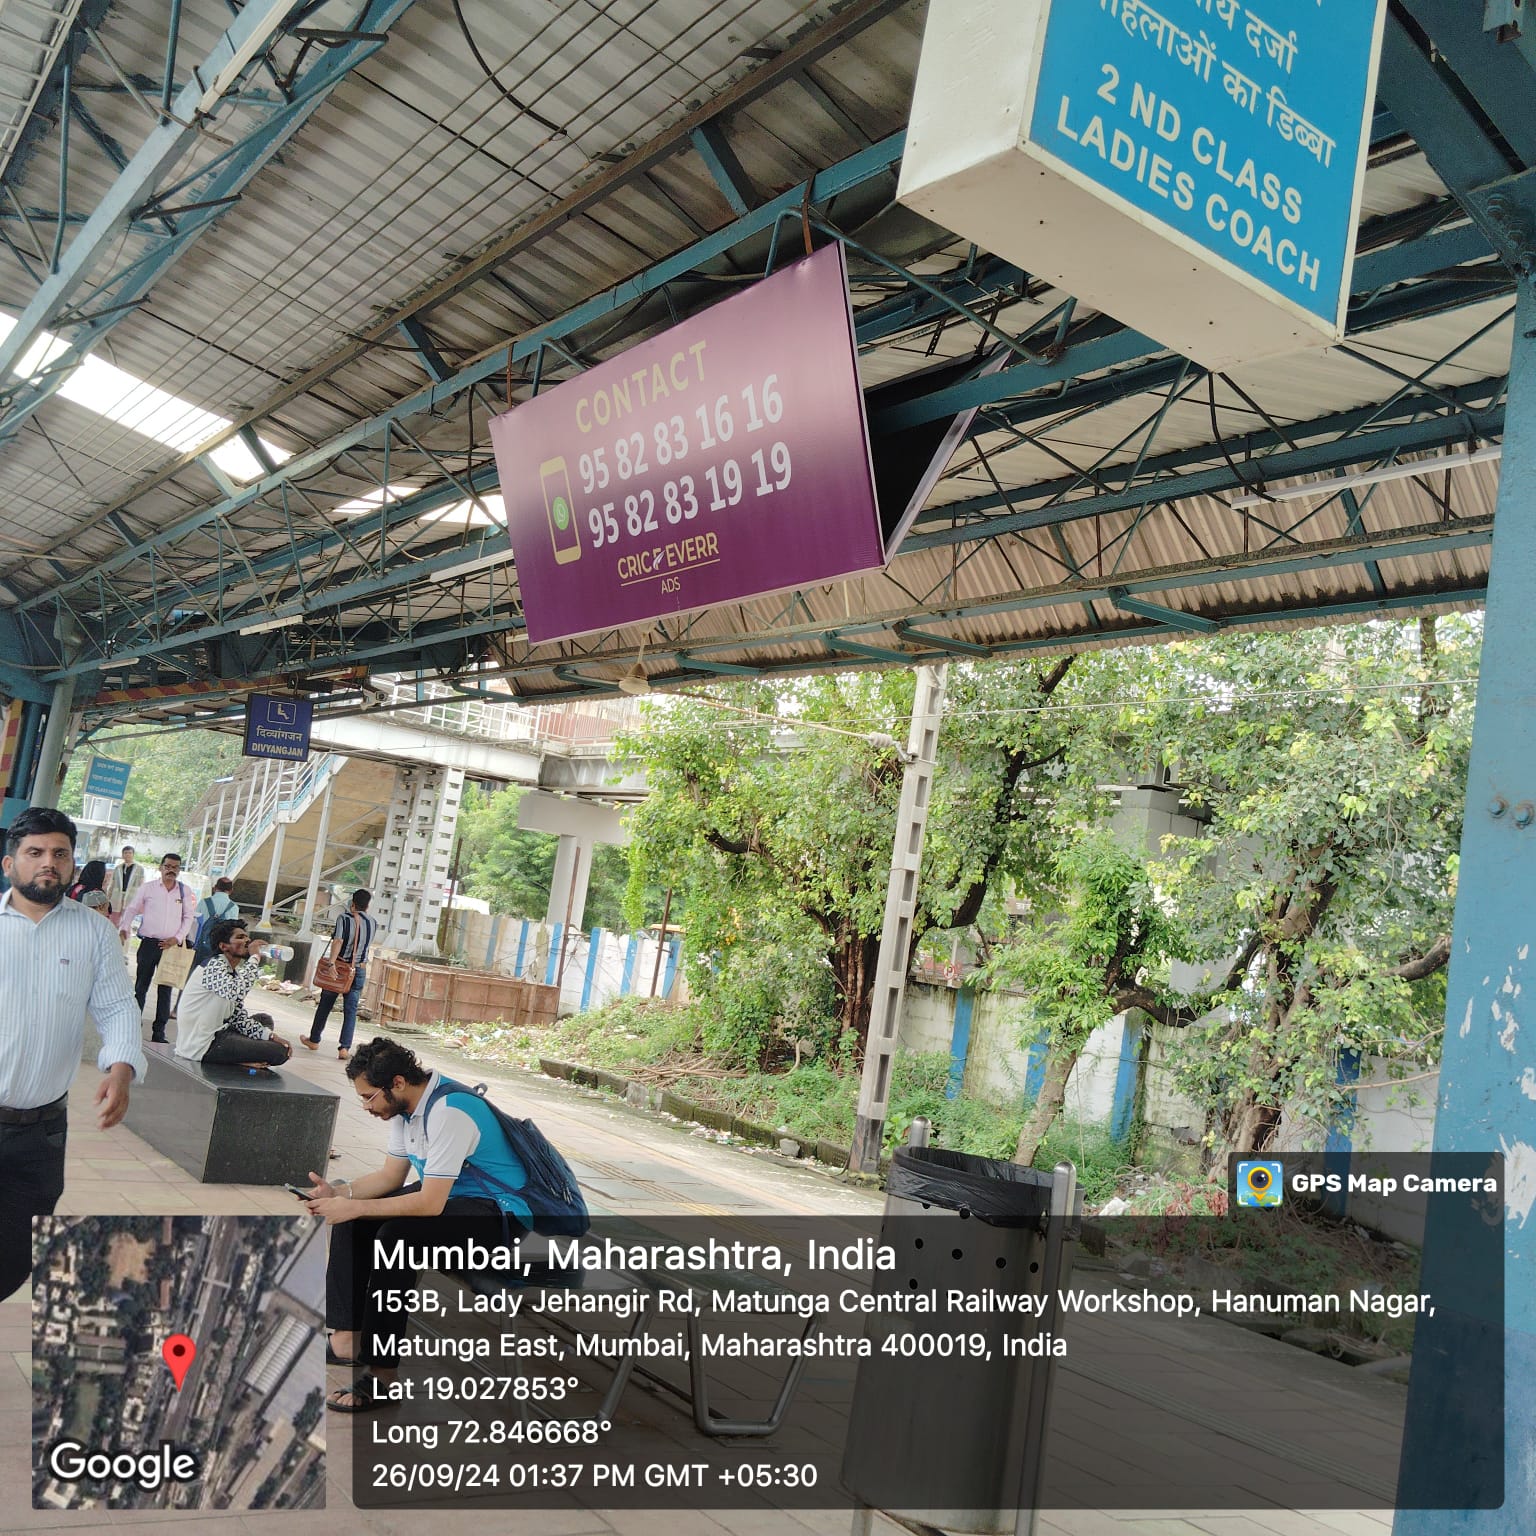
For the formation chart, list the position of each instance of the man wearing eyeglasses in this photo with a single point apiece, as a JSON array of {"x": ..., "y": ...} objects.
[{"x": 447, "y": 1144}]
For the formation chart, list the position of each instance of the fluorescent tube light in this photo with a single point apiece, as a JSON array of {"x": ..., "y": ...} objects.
[
  {"x": 371, "y": 501},
  {"x": 266, "y": 625},
  {"x": 469, "y": 567},
  {"x": 488, "y": 512},
  {"x": 1372, "y": 477}
]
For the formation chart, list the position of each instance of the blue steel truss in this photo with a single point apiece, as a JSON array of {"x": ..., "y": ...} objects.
[
  {"x": 183, "y": 598},
  {"x": 75, "y": 297}
]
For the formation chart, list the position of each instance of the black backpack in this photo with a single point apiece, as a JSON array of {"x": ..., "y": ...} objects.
[{"x": 552, "y": 1194}]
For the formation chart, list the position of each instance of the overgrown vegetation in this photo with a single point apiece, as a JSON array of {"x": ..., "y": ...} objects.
[{"x": 1324, "y": 770}]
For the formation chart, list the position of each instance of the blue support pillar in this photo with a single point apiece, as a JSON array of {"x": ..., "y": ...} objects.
[
  {"x": 1122, "y": 1116},
  {"x": 594, "y": 947},
  {"x": 626, "y": 986},
  {"x": 1488, "y": 1060},
  {"x": 522, "y": 949},
  {"x": 960, "y": 1041},
  {"x": 674, "y": 950},
  {"x": 552, "y": 965}
]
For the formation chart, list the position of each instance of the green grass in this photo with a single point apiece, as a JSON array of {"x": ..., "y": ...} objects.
[{"x": 814, "y": 1101}]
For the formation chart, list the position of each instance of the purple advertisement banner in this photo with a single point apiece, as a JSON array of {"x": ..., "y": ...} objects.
[{"x": 725, "y": 458}]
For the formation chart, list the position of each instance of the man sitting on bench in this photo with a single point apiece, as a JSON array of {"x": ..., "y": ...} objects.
[
  {"x": 212, "y": 1025},
  {"x": 448, "y": 1201}
]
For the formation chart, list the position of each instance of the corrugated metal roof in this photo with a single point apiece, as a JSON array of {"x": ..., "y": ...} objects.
[{"x": 417, "y": 164}]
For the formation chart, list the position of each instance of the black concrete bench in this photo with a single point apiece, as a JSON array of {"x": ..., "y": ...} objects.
[{"x": 227, "y": 1125}]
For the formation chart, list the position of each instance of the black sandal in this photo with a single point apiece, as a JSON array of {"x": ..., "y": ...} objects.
[{"x": 365, "y": 1389}]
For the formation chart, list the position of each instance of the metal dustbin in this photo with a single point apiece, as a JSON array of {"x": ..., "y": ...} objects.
[{"x": 966, "y": 1432}]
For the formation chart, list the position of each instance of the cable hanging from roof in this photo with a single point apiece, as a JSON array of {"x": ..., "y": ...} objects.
[{"x": 490, "y": 75}]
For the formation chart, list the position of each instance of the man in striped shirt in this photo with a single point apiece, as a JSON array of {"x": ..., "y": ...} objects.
[{"x": 58, "y": 962}]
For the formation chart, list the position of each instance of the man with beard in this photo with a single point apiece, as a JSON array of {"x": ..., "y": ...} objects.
[
  {"x": 466, "y": 1178},
  {"x": 58, "y": 962}
]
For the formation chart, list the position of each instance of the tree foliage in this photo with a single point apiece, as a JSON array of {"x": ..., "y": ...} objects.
[
  {"x": 1116, "y": 933},
  {"x": 1330, "y": 766},
  {"x": 512, "y": 869},
  {"x": 774, "y": 809},
  {"x": 171, "y": 771}
]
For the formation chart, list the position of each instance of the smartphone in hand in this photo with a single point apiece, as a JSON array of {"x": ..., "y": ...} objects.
[{"x": 303, "y": 1194}]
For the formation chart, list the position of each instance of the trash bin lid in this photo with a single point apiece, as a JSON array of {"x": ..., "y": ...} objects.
[{"x": 1004, "y": 1194}]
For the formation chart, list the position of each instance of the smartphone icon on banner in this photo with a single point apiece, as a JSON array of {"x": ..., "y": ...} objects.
[{"x": 561, "y": 506}]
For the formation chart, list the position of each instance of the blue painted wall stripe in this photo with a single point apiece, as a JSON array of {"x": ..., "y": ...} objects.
[
  {"x": 594, "y": 947},
  {"x": 552, "y": 965},
  {"x": 674, "y": 949},
  {"x": 628, "y": 981},
  {"x": 960, "y": 1041},
  {"x": 522, "y": 947},
  {"x": 1121, "y": 1116},
  {"x": 1034, "y": 1072}
]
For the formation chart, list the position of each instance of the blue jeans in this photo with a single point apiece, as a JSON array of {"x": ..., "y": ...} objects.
[{"x": 349, "y": 1002}]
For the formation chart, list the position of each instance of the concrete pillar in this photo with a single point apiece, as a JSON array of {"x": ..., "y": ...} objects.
[
  {"x": 896, "y": 930},
  {"x": 579, "y": 825},
  {"x": 568, "y": 884},
  {"x": 57, "y": 738},
  {"x": 317, "y": 864},
  {"x": 411, "y": 869}
]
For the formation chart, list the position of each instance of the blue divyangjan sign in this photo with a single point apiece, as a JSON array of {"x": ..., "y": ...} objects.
[
  {"x": 107, "y": 778},
  {"x": 1240, "y": 124},
  {"x": 277, "y": 727}
]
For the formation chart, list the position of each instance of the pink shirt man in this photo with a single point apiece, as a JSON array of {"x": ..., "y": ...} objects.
[{"x": 167, "y": 914}]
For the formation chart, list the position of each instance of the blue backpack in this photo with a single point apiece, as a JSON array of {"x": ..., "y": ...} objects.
[{"x": 552, "y": 1194}]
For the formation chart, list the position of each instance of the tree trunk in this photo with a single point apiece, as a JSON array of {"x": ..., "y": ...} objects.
[
  {"x": 853, "y": 962},
  {"x": 1059, "y": 1062}
]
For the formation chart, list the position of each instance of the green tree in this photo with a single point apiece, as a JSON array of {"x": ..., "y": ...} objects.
[
  {"x": 1115, "y": 935},
  {"x": 170, "y": 773},
  {"x": 773, "y": 809},
  {"x": 1331, "y": 766}
]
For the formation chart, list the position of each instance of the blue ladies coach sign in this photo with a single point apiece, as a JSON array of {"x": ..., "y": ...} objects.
[{"x": 1192, "y": 167}]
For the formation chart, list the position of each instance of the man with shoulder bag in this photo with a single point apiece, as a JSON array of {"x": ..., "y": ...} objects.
[{"x": 342, "y": 972}]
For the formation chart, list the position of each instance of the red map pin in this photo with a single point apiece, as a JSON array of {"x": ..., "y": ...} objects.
[{"x": 178, "y": 1353}]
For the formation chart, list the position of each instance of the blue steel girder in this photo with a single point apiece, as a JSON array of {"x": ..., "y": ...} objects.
[
  {"x": 878, "y": 160},
  {"x": 1340, "y": 444},
  {"x": 1164, "y": 479},
  {"x": 1432, "y": 255},
  {"x": 1497, "y": 75},
  {"x": 1426, "y": 87},
  {"x": 1432, "y": 258},
  {"x": 839, "y": 641},
  {"x": 813, "y": 44},
  {"x": 139, "y": 187}
]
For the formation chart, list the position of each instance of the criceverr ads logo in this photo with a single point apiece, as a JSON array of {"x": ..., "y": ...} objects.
[{"x": 1260, "y": 1184}]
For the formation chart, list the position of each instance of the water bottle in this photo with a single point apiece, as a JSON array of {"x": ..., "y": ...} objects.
[{"x": 283, "y": 952}]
